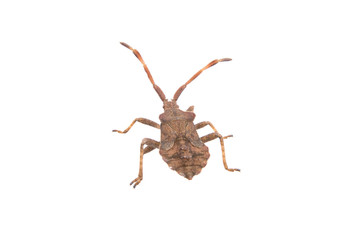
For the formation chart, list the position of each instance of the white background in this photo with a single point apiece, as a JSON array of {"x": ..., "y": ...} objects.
[{"x": 290, "y": 97}]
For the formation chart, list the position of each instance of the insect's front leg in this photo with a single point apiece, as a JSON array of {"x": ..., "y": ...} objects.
[
  {"x": 213, "y": 136},
  {"x": 151, "y": 145},
  {"x": 141, "y": 120}
]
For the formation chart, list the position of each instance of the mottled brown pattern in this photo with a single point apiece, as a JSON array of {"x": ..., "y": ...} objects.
[
  {"x": 180, "y": 145},
  {"x": 186, "y": 159}
]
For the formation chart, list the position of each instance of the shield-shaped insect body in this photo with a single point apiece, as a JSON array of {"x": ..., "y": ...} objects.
[{"x": 180, "y": 145}]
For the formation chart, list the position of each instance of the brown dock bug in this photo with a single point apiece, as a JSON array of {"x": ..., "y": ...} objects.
[{"x": 180, "y": 145}]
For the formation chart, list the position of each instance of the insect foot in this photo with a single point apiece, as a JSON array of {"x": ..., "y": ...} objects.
[
  {"x": 118, "y": 131},
  {"x": 223, "y": 137},
  {"x": 233, "y": 170},
  {"x": 136, "y": 181}
]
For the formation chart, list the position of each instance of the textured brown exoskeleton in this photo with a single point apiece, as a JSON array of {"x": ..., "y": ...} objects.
[{"x": 180, "y": 145}]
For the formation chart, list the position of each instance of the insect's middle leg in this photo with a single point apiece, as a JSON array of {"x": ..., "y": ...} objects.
[
  {"x": 213, "y": 136},
  {"x": 151, "y": 145},
  {"x": 141, "y": 120}
]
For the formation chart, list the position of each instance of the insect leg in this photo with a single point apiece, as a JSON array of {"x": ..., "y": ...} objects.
[
  {"x": 213, "y": 136},
  {"x": 203, "y": 124},
  {"x": 141, "y": 120},
  {"x": 152, "y": 144}
]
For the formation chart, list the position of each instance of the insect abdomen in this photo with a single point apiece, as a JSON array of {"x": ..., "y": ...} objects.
[{"x": 186, "y": 159}]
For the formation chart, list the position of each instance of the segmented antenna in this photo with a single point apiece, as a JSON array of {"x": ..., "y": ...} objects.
[
  {"x": 212, "y": 63},
  {"x": 156, "y": 87}
]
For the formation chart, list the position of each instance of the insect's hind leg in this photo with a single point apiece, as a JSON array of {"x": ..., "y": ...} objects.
[
  {"x": 141, "y": 120},
  {"x": 151, "y": 145},
  {"x": 203, "y": 124},
  {"x": 213, "y": 136}
]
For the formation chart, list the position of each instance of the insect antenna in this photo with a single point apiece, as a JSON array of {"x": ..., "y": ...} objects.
[
  {"x": 156, "y": 87},
  {"x": 212, "y": 63}
]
